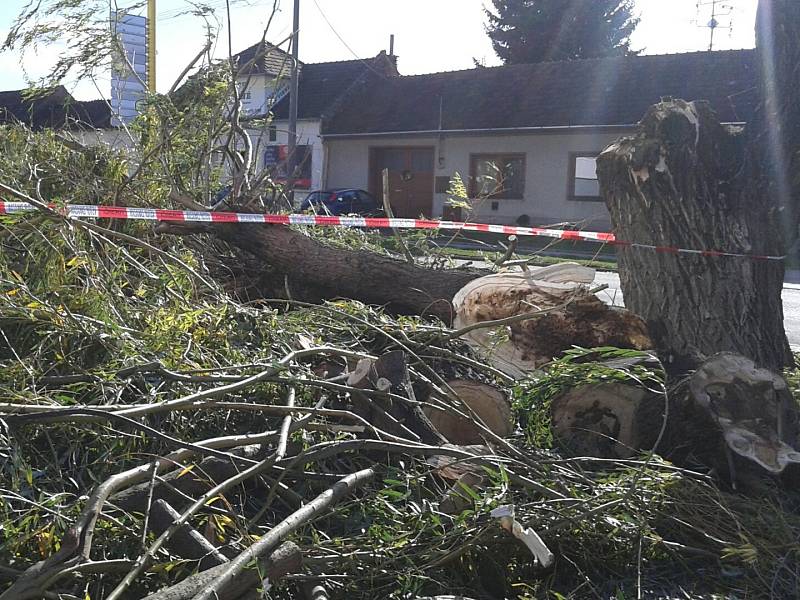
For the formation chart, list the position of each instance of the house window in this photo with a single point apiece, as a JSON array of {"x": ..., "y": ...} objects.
[
  {"x": 247, "y": 95},
  {"x": 441, "y": 185},
  {"x": 583, "y": 183},
  {"x": 498, "y": 176},
  {"x": 273, "y": 133}
]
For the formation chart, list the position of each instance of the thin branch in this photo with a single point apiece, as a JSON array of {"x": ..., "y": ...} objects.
[
  {"x": 144, "y": 560},
  {"x": 277, "y": 534}
]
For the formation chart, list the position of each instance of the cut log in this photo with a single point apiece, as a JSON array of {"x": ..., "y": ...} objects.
[
  {"x": 609, "y": 420},
  {"x": 730, "y": 415},
  {"x": 488, "y": 402},
  {"x": 573, "y": 317}
]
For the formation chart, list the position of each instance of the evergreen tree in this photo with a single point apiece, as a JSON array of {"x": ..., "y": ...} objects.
[{"x": 527, "y": 31}]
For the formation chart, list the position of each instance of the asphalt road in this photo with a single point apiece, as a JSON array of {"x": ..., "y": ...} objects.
[{"x": 791, "y": 303}]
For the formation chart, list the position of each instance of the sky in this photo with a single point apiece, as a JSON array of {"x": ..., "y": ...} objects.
[{"x": 430, "y": 35}]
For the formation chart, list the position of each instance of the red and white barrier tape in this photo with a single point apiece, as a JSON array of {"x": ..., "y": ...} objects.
[{"x": 190, "y": 216}]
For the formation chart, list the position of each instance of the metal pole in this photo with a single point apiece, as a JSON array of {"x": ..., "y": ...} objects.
[
  {"x": 291, "y": 165},
  {"x": 151, "y": 46},
  {"x": 713, "y": 24}
]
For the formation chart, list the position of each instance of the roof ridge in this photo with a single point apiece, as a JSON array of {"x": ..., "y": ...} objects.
[
  {"x": 258, "y": 43},
  {"x": 581, "y": 61},
  {"x": 349, "y": 60}
]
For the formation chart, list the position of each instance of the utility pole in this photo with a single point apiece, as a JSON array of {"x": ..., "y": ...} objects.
[
  {"x": 151, "y": 46},
  {"x": 291, "y": 161}
]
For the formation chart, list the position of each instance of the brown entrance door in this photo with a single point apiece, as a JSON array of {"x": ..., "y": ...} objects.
[{"x": 410, "y": 179}]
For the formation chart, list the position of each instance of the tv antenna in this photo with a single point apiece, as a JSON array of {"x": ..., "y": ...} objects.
[{"x": 720, "y": 9}]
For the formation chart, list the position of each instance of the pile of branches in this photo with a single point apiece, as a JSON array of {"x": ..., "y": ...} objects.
[{"x": 161, "y": 439}]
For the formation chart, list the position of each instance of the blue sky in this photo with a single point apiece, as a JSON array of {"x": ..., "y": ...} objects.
[{"x": 431, "y": 35}]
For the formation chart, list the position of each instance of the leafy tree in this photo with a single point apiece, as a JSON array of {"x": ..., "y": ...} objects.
[{"x": 528, "y": 31}]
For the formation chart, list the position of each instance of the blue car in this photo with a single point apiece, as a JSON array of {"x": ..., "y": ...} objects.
[{"x": 346, "y": 201}]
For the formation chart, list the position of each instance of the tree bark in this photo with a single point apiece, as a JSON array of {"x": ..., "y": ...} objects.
[
  {"x": 345, "y": 273},
  {"x": 683, "y": 180}
]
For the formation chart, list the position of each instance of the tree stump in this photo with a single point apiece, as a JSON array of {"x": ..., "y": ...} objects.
[{"x": 685, "y": 180}]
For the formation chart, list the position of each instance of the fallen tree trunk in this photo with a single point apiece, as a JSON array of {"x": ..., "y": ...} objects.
[{"x": 356, "y": 274}]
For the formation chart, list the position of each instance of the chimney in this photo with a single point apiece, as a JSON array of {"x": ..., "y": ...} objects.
[{"x": 392, "y": 57}]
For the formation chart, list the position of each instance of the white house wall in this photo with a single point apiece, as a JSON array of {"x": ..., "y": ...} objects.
[
  {"x": 254, "y": 93},
  {"x": 118, "y": 139},
  {"x": 547, "y": 168},
  {"x": 307, "y": 135}
]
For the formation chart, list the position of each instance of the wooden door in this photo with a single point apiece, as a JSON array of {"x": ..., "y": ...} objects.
[{"x": 410, "y": 179}]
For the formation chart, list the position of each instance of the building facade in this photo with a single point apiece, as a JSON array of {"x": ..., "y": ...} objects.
[
  {"x": 544, "y": 177},
  {"x": 324, "y": 88},
  {"x": 523, "y": 138}
]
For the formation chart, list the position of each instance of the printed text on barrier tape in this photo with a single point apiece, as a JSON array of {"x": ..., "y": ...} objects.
[{"x": 189, "y": 216}]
